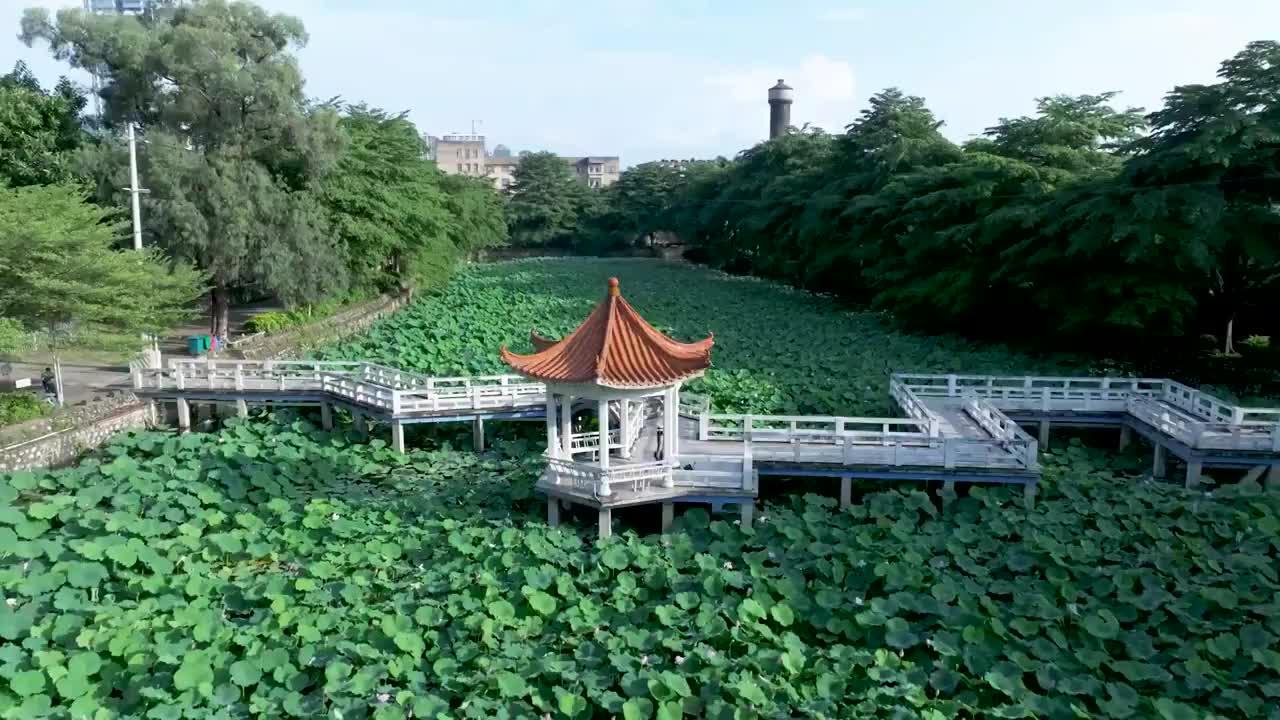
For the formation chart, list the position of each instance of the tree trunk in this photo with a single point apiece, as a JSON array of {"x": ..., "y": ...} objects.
[
  {"x": 220, "y": 312},
  {"x": 1230, "y": 347}
]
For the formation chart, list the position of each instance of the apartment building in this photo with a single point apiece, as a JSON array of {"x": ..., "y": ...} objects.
[{"x": 468, "y": 155}]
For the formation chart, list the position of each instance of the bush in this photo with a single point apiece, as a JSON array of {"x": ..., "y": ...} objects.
[
  {"x": 20, "y": 407},
  {"x": 276, "y": 321}
]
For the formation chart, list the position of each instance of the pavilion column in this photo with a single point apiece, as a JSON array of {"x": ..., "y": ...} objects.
[
  {"x": 603, "y": 410},
  {"x": 624, "y": 427},
  {"x": 669, "y": 435},
  {"x": 553, "y": 438},
  {"x": 566, "y": 426}
]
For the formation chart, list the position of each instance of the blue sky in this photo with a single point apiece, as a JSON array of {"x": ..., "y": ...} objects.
[{"x": 648, "y": 79}]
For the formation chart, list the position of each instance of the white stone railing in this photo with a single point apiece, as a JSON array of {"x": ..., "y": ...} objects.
[
  {"x": 914, "y": 407},
  {"x": 502, "y": 391},
  {"x": 240, "y": 374},
  {"x": 1193, "y": 417},
  {"x": 384, "y": 388},
  {"x": 812, "y": 428},
  {"x": 1029, "y": 392},
  {"x": 591, "y": 440},
  {"x": 1193, "y": 431},
  {"x": 1008, "y": 433},
  {"x": 590, "y": 478}
]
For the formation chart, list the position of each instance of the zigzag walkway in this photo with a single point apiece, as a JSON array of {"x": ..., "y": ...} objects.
[{"x": 956, "y": 428}]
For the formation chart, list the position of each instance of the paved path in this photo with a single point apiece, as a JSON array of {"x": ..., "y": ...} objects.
[{"x": 82, "y": 381}]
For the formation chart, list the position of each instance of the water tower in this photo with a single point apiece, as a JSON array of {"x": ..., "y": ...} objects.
[{"x": 780, "y": 98}]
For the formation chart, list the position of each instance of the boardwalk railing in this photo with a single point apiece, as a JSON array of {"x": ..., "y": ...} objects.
[
  {"x": 913, "y": 406},
  {"x": 1027, "y": 392},
  {"x": 813, "y": 428},
  {"x": 383, "y": 388},
  {"x": 1008, "y": 433},
  {"x": 1248, "y": 436},
  {"x": 502, "y": 391},
  {"x": 1190, "y": 416},
  {"x": 869, "y": 441}
]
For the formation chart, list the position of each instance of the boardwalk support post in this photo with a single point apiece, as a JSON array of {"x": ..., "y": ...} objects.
[
  {"x": 1193, "y": 474},
  {"x": 1029, "y": 495},
  {"x": 1126, "y": 435},
  {"x": 846, "y": 492},
  {"x": 1273, "y": 477},
  {"x": 477, "y": 434},
  {"x": 605, "y": 522},
  {"x": 397, "y": 436},
  {"x": 326, "y": 415},
  {"x": 242, "y": 408},
  {"x": 553, "y": 512},
  {"x": 746, "y": 510},
  {"x": 1044, "y": 433},
  {"x": 361, "y": 424},
  {"x": 668, "y": 515},
  {"x": 1158, "y": 461},
  {"x": 184, "y": 415}
]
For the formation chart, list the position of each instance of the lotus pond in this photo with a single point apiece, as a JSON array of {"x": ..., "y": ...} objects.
[{"x": 271, "y": 569}]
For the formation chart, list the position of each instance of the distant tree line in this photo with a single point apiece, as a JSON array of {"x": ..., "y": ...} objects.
[
  {"x": 259, "y": 191},
  {"x": 1083, "y": 222}
]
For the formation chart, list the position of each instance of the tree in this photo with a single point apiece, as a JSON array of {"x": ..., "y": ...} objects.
[
  {"x": 548, "y": 205},
  {"x": 59, "y": 268},
  {"x": 946, "y": 232},
  {"x": 233, "y": 150},
  {"x": 501, "y": 151},
  {"x": 38, "y": 130},
  {"x": 477, "y": 217},
  {"x": 1212, "y": 162},
  {"x": 386, "y": 203}
]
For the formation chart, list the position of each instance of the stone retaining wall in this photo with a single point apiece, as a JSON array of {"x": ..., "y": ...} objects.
[
  {"x": 62, "y": 439},
  {"x": 291, "y": 343}
]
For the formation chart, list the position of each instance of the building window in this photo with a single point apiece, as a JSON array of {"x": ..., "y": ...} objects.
[{"x": 459, "y": 167}]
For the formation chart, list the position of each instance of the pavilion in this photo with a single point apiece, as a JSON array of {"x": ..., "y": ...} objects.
[{"x": 628, "y": 374}]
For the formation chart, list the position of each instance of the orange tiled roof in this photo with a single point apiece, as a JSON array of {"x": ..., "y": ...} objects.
[{"x": 613, "y": 347}]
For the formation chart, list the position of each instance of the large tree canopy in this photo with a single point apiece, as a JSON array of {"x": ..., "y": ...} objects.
[
  {"x": 60, "y": 269},
  {"x": 38, "y": 129},
  {"x": 233, "y": 149},
  {"x": 548, "y": 205},
  {"x": 1085, "y": 220}
]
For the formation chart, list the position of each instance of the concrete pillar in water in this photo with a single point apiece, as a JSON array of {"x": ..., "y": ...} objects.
[
  {"x": 184, "y": 415},
  {"x": 397, "y": 435}
]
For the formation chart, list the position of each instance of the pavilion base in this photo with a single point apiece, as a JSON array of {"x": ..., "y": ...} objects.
[{"x": 562, "y": 496}]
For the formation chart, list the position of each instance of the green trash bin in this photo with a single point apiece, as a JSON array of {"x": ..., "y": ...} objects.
[{"x": 194, "y": 344}]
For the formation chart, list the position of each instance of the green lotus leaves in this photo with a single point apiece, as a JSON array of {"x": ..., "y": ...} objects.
[{"x": 320, "y": 576}]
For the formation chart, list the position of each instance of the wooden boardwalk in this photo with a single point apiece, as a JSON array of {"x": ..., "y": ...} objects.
[{"x": 954, "y": 428}]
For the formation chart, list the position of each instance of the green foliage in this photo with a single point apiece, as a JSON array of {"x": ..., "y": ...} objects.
[
  {"x": 19, "y": 407},
  {"x": 776, "y": 350},
  {"x": 38, "y": 130},
  {"x": 275, "y": 570},
  {"x": 386, "y": 202},
  {"x": 275, "y": 321},
  {"x": 548, "y": 205},
  {"x": 233, "y": 150},
  {"x": 12, "y": 337},
  {"x": 1075, "y": 221},
  {"x": 59, "y": 264}
]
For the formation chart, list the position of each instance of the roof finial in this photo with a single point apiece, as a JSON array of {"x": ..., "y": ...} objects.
[{"x": 613, "y": 286}]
